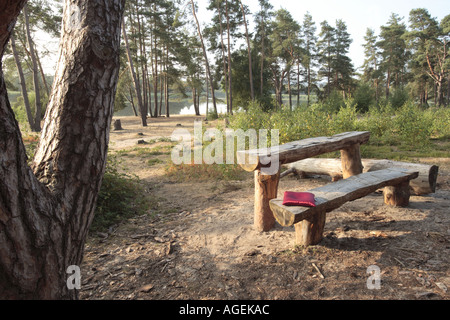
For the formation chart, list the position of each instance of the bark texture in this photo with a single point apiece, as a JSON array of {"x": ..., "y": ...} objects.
[
  {"x": 266, "y": 188},
  {"x": 46, "y": 208}
]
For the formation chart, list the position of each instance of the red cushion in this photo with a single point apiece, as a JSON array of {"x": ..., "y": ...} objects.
[{"x": 304, "y": 199}]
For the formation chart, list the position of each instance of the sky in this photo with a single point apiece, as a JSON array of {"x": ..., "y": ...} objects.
[{"x": 357, "y": 14}]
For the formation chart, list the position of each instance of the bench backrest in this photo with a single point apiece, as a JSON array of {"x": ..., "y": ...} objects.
[{"x": 251, "y": 160}]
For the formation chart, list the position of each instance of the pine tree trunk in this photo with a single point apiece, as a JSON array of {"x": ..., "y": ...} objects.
[
  {"x": 224, "y": 62},
  {"x": 46, "y": 209},
  {"x": 230, "y": 91},
  {"x": 137, "y": 87},
  {"x": 23, "y": 84},
  {"x": 206, "y": 57},
  {"x": 37, "y": 91},
  {"x": 250, "y": 64}
]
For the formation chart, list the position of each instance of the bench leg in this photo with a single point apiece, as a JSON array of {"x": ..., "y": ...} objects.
[
  {"x": 310, "y": 231},
  {"x": 397, "y": 196},
  {"x": 266, "y": 188},
  {"x": 351, "y": 161}
]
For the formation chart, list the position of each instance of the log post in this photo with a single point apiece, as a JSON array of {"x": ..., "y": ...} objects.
[
  {"x": 309, "y": 232},
  {"x": 351, "y": 161},
  {"x": 266, "y": 188},
  {"x": 397, "y": 196}
]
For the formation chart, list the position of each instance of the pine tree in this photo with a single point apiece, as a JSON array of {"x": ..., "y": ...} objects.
[
  {"x": 261, "y": 41},
  {"x": 309, "y": 59},
  {"x": 342, "y": 65},
  {"x": 285, "y": 43},
  {"x": 429, "y": 46},
  {"x": 371, "y": 66},
  {"x": 393, "y": 52},
  {"x": 326, "y": 46}
]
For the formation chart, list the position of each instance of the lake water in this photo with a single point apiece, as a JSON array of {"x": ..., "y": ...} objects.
[{"x": 221, "y": 108}]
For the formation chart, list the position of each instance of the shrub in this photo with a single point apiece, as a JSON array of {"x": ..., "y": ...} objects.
[
  {"x": 364, "y": 97},
  {"x": 413, "y": 125},
  {"x": 440, "y": 122},
  {"x": 345, "y": 119}
]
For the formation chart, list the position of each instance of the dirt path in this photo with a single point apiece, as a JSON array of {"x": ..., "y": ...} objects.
[{"x": 205, "y": 247}]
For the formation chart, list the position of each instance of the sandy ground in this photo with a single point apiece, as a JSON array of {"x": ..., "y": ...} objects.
[{"x": 205, "y": 247}]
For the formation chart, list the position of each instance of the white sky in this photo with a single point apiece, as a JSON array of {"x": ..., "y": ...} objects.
[{"x": 357, "y": 14}]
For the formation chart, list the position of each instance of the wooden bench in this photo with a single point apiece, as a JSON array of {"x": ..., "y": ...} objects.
[
  {"x": 266, "y": 185},
  {"x": 309, "y": 222}
]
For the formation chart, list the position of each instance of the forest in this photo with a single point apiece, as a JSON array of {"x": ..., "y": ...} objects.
[
  {"x": 167, "y": 56},
  {"x": 76, "y": 192}
]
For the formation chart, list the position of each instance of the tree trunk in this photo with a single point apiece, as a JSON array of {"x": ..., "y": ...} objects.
[
  {"x": 137, "y": 87},
  {"x": 37, "y": 91},
  {"x": 23, "y": 84},
  {"x": 206, "y": 58},
  {"x": 289, "y": 89},
  {"x": 155, "y": 78},
  {"x": 250, "y": 65},
  {"x": 261, "y": 88},
  {"x": 230, "y": 91},
  {"x": 224, "y": 62},
  {"x": 46, "y": 209},
  {"x": 41, "y": 71}
]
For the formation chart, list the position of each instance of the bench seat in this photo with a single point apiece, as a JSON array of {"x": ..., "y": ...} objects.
[{"x": 309, "y": 221}]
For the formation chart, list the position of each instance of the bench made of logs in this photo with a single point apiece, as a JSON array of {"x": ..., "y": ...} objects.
[
  {"x": 266, "y": 185},
  {"x": 309, "y": 222},
  {"x": 424, "y": 184}
]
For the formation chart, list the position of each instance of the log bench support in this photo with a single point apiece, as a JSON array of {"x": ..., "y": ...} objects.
[
  {"x": 266, "y": 188},
  {"x": 309, "y": 223}
]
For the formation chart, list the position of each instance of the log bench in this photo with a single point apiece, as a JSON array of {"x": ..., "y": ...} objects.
[
  {"x": 309, "y": 222},
  {"x": 266, "y": 184},
  {"x": 424, "y": 184}
]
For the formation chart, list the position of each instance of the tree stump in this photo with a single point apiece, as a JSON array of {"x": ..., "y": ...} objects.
[
  {"x": 117, "y": 125},
  {"x": 266, "y": 188}
]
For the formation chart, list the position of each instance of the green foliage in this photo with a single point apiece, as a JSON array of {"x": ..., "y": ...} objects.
[
  {"x": 364, "y": 97},
  {"x": 441, "y": 122},
  {"x": 408, "y": 128},
  {"x": 345, "y": 119},
  {"x": 398, "y": 98},
  {"x": 413, "y": 125},
  {"x": 121, "y": 196}
]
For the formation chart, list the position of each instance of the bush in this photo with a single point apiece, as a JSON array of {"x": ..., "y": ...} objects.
[
  {"x": 345, "y": 119},
  {"x": 364, "y": 97},
  {"x": 441, "y": 122},
  {"x": 413, "y": 125},
  {"x": 398, "y": 98}
]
